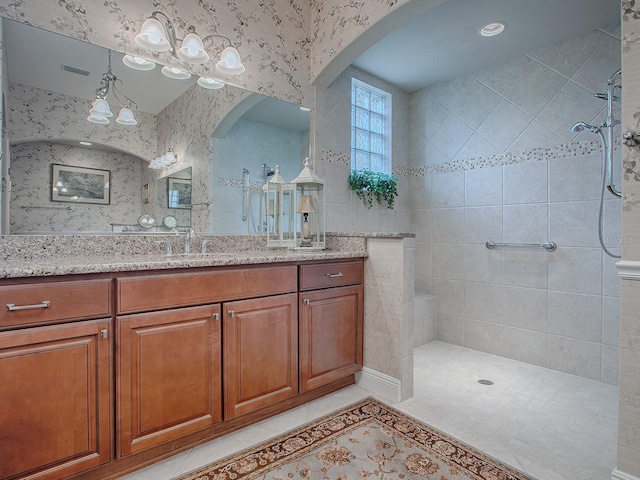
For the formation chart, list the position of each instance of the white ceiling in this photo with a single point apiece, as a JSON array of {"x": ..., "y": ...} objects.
[{"x": 443, "y": 42}]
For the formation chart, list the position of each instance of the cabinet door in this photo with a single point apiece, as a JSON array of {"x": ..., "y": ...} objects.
[
  {"x": 168, "y": 375},
  {"x": 260, "y": 352},
  {"x": 55, "y": 401},
  {"x": 331, "y": 323}
]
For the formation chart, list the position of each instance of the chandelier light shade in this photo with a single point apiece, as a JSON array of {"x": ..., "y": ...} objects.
[
  {"x": 138, "y": 63},
  {"x": 100, "y": 111},
  {"x": 175, "y": 73},
  {"x": 210, "y": 83},
  {"x": 230, "y": 62},
  {"x": 125, "y": 117},
  {"x": 153, "y": 36},
  {"x": 192, "y": 50},
  {"x": 159, "y": 37}
]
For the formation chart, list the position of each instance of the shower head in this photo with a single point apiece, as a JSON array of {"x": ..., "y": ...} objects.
[{"x": 580, "y": 126}]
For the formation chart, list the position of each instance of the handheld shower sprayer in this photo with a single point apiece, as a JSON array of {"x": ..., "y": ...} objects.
[{"x": 580, "y": 126}]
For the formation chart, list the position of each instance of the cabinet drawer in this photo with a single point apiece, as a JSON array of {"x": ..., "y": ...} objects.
[
  {"x": 332, "y": 274},
  {"x": 152, "y": 292},
  {"x": 40, "y": 303}
]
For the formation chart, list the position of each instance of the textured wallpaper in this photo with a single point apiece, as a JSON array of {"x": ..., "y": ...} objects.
[
  {"x": 36, "y": 114},
  {"x": 31, "y": 207},
  {"x": 271, "y": 35}
]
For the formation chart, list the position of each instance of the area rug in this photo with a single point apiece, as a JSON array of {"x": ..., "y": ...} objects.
[{"x": 367, "y": 440}]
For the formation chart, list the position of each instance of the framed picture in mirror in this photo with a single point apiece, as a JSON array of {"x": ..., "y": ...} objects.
[
  {"x": 80, "y": 185},
  {"x": 179, "y": 192}
]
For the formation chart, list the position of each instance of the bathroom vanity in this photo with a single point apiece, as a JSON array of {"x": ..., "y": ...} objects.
[{"x": 108, "y": 368}]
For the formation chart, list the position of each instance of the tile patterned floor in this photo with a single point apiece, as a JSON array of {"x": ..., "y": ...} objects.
[{"x": 552, "y": 425}]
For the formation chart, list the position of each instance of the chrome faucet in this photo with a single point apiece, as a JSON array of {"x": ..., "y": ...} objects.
[{"x": 189, "y": 234}]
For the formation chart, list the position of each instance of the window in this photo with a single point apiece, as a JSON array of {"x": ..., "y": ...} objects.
[{"x": 370, "y": 128}]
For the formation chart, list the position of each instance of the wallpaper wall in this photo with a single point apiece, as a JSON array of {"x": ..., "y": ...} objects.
[
  {"x": 31, "y": 207},
  {"x": 271, "y": 36},
  {"x": 36, "y": 114}
]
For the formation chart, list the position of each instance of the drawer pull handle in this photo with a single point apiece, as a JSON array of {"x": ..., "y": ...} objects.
[
  {"x": 11, "y": 307},
  {"x": 335, "y": 275}
]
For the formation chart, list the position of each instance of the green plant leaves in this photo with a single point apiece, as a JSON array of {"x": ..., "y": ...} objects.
[{"x": 369, "y": 185}]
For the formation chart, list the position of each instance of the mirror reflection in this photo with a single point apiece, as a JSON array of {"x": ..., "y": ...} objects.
[{"x": 48, "y": 100}]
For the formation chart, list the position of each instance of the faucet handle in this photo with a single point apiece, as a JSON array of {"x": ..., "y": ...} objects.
[
  {"x": 203, "y": 246},
  {"x": 168, "y": 246}
]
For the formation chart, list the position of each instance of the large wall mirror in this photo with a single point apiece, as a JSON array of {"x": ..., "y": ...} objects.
[{"x": 49, "y": 83}]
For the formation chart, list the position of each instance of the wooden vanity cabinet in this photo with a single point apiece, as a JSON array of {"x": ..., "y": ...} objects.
[
  {"x": 55, "y": 380},
  {"x": 331, "y": 306},
  {"x": 260, "y": 353},
  {"x": 168, "y": 375}
]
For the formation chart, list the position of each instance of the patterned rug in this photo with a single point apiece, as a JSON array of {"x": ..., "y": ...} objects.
[{"x": 368, "y": 440}]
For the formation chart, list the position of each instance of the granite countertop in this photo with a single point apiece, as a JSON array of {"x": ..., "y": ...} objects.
[{"x": 67, "y": 265}]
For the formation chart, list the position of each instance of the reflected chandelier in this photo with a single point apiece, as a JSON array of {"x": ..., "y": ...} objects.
[
  {"x": 157, "y": 37},
  {"x": 100, "y": 111}
]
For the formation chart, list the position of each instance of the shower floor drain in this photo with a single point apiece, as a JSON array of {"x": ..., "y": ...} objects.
[{"x": 485, "y": 382}]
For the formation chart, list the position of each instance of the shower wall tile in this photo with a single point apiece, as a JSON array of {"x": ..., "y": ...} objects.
[
  {"x": 526, "y": 268},
  {"x": 450, "y": 295},
  {"x": 526, "y": 308},
  {"x": 502, "y": 77},
  {"x": 525, "y": 183},
  {"x": 482, "y": 264},
  {"x": 576, "y": 316},
  {"x": 606, "y": 60},
  {"x": 448, "y": 225},
  {"x": 613, "y": 224},
  {"x": 535, "y": 136},
  {"x": 572, "y": 102},
  {"x": 447, "y": 190},
  {"x": 577, "y": 270},
  {"x": 525, "y": 345},
  {"x": 425, "y": 114},
  {"x": 611, "y": 283},
  {"x": 467, "y": 98},
  {"x": 611, "y": 321},
  {"x": 504, "y": 124},
  {"x": 448, "y": 261},
  {"x": 525, "y": 223},
  {"x": 574, "y": 224},
  {"x": 452, "y": 134},
  {"x": 483, "y": 301},
  {"x": 423, "y": 259},
  {"x": 450, "y": 328},
  {"x": 577, "y": 357},
  {"x": 535, "y": 89},
  {"x": 476, "y": 146},
  {"x": 422, "y": 224},
  {"x": 577, "y": 178},
  {"x": 610, "y": 364},
  {"x": 482, "y": 224},
  {"x": 567, "y": 57},
  {"x": 483, "y": 336},
  {"x": 483, "y": 186}
]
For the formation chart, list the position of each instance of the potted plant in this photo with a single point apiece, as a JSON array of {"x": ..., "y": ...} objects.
[{"x": 369, "y": 185}]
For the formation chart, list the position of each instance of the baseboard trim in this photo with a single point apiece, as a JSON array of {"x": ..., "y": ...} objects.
[
  {"x": 618, "y": 475},
  {"x": 379, "y": 383}
]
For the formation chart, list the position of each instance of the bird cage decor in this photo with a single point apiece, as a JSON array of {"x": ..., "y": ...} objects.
[
  {"x": 279, "y": 216},
  {"x": 309, "y": 233}
]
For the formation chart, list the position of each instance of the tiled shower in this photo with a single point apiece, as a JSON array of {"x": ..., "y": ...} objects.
[{"x": 493, "y": 158}]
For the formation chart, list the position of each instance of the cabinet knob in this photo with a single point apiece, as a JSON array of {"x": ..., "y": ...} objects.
[
  {"x": 215, "y": 316},
  {"x": 232, "y": 313},
  {"x": 104, "y": 333},
  {"x": 306, "y": 301}
]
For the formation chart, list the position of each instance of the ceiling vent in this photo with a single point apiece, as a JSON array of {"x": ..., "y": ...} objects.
[{"x": 77, "y": 70}]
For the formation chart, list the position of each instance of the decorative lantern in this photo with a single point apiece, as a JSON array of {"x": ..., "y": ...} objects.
[
  {"x": 279, "y": 216},
  {"x": 309, "y": 207}
]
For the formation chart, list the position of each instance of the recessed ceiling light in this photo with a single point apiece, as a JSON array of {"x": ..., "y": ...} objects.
[
  {"x": 86, "y": 143},
  {"x": 492, "y": 29}
]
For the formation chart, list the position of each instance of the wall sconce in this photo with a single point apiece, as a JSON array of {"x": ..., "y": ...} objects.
[
  {"x": 157, "y": 37},
  {"x": 309, "y": 201},
  {"x": 100, "y": 111},
  {"x": 162, "y": 161}
]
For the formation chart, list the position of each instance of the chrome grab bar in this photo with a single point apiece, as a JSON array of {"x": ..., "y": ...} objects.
[{"x": 548, "y": 246}]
